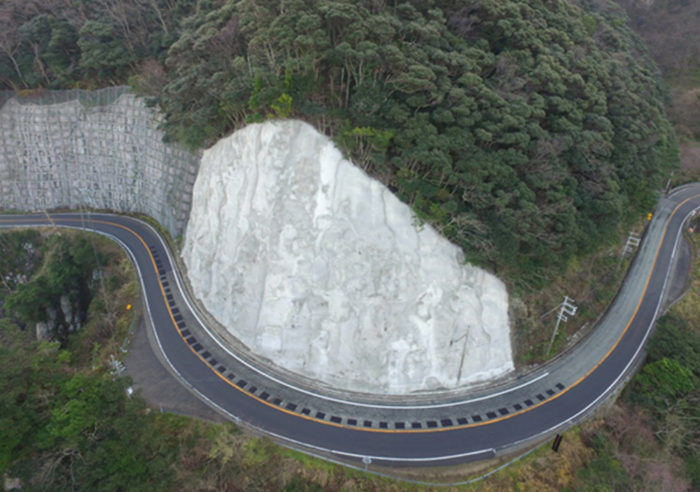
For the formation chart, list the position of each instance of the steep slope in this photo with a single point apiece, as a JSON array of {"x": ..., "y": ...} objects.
[{"x": 313, "y": 264}]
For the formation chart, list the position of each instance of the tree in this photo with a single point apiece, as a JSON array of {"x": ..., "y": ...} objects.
[
  {"x": 10, "y": 41},
  {"x": 102, "y": 51}
]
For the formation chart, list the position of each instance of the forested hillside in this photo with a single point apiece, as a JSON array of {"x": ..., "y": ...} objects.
[
  {"x": 62, "y": 44},
  {"x": 670, "y": 31},
  {"x": 525, "y": 131}
]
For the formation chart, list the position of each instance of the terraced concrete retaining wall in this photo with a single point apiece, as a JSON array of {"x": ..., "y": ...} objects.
[{"x": 99, "y": 149}]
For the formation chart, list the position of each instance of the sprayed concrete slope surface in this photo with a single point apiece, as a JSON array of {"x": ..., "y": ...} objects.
[{"x": 316, "y": 266}]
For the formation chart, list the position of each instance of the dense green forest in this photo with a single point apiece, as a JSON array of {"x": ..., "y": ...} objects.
[
  {"x": 68, "y": 427},
  {"x": 525, "y": 131},
  {"x": 66, "y": 421}
]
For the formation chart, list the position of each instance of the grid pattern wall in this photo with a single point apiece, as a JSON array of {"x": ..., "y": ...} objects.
[{"x": 100, "y": 150}]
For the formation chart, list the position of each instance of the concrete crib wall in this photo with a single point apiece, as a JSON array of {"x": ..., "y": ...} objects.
[{"x": 100, "y": 150}]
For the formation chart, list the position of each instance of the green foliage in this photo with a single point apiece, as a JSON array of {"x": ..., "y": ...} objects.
[
  {"x": 51, "y": 52},
  {"x": 18, "y": 256},
  {"x": 665, "y": 380},
  {"x": 692, "y": 469},
  {"x": 590, "y": 23},
  {"x": 526, "y": 132},
  {"x": 256, "y": 452},
  {"x": 282, "y": 107},
  {"x": 604, "y": 473},
  {"x": 672, "y": 371},
  {"x": 66, "y": 270},
  {"x": 677, "y": 339},
  {"x": 102, "y": 51},
  {"x": 65, "y": 427},
  {"x": 668, "y": 387},
  {"x": 61, "y": 44},
  {"x": 507, "y": 125}
]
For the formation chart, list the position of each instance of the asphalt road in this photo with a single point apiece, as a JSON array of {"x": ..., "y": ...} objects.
[{"x": 412, "y": 430}]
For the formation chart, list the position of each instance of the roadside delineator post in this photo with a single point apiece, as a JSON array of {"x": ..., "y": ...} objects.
[{"x": 557, "y": 442}]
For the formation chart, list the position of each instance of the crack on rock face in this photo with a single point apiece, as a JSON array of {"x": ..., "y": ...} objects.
[{"x": 321, "y": 269}]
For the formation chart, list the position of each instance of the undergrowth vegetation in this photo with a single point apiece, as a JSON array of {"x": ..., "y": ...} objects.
[{"x": 66, "y": 419}]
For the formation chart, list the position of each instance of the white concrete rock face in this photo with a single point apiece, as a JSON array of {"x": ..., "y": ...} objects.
[{"x": 318, "y": 267}]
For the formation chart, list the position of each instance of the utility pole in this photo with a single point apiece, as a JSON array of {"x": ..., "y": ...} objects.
[{"x": 566, "y": 309}]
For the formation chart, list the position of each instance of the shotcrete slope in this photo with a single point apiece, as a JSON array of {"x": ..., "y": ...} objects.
[{"x": 316, "y": 266}]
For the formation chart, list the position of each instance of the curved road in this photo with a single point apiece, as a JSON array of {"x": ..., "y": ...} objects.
[{"x": 427, "y": 429}]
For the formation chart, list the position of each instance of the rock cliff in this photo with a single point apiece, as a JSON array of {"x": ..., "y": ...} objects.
[{"x": 318, "y": 267}]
